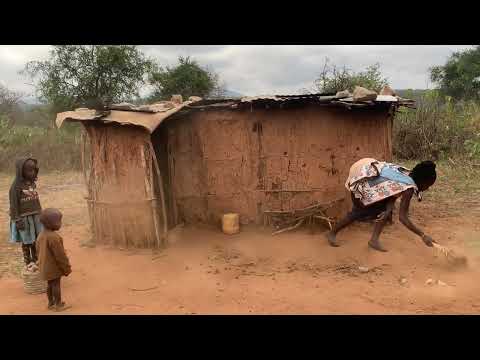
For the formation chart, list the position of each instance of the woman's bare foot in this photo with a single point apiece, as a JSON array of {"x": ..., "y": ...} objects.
[
  {"x": 332, "y": 239},
  {"x": 376, "y": 246}
]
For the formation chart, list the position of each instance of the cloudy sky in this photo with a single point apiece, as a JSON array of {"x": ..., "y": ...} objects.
[{"x": 265, "y": 69}]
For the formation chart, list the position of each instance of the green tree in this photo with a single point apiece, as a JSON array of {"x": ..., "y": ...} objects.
[
  {"x": 9, "y": 104},
  {"x": 88, "y": 75},
  {"x": 187, "y": 78},
  {"x": 333, "y": 79},
  {"x": 460, "y": 76}
]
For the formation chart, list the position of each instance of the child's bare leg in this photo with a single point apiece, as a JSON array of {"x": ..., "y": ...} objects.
[
  {"x": 26, "y": 254},
  {"x": 51, "y": 299},
  {"x": 59, "y": 304},
  {"x": 33, "y": 252},
  {"x": 56, "y": 292}
]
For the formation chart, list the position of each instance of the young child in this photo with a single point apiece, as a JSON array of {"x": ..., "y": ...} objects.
[
  {"x": 53, "y": 263},
  {"x": 25, "y": 208}
]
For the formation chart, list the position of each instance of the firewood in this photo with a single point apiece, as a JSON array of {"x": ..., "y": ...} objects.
[{"x": 289, "y": 228}]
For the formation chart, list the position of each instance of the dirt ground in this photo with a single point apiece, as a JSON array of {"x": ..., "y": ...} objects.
[{"x": 206, "y": 272}]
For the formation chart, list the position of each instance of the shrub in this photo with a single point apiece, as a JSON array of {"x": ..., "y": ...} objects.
[
  {"x": 438, "y": 127},
  {"x": 54, "y": 149}
]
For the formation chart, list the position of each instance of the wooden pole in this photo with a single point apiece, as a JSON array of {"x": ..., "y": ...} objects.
[
  {"x": 87, "y": 184},
  {"x": 162, "y": 194},
  {"x": 154, "y": 205},
  {"x": 94, "y": 179},
  {"x": 149, "y": 188},
  {"x": 171, "y": 173},
  {"x": 146, "y": 180}
]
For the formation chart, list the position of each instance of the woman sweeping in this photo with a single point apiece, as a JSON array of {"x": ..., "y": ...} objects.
[{"x": 375, "y": 186}]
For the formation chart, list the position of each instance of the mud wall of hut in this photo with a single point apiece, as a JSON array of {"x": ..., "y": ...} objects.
[
  {"x": 222, "y": 161},
  {"x": 119, "y": 183}
]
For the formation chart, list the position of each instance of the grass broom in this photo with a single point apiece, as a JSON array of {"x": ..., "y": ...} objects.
[{"x": 450, "y": 255}]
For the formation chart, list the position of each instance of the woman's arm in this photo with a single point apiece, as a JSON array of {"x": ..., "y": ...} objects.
[{"x": 404, "y": 219}]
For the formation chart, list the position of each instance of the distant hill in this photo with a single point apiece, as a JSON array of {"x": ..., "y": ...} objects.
[
  {"x": 28, "y": 105},
  {"x": 232, "y": 94},
  {"x": 30, "y": 100}
]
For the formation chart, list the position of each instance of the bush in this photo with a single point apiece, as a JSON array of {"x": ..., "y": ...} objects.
[
  {"x": 54, "y": 149},
  {"x": 438, "y": 128},
  {"x": 333, "y": 79}
]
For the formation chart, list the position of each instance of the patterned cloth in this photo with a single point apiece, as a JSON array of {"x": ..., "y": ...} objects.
[
  {"x": 29, "y": 234},
  {"x": 372, "y": 181}
]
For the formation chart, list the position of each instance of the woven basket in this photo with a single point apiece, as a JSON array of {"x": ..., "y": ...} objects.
[{"x": 33, "y": 283}]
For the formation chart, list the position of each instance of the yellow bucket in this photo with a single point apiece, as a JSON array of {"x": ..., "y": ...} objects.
[{"x": 231, "y": 224}]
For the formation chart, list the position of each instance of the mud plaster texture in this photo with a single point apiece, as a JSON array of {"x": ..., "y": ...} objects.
[{"x": 220, "y": 161}]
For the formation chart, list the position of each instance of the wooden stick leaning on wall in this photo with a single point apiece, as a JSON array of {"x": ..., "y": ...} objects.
[
  {"x": 162, "y": 193},
  {"x": 112, "y": 213},
  {"x": 171, "y": 172},
  {"x": 85, "y": 178},
  {"x": 91, "y": 183},
  {"x": 147, "y": 181},
  {"x": 154, "y": 204},
  {"x": 110, "y": 181},
  {"x": 98, "y": 181},
  {"x": 149, "y": 189}
]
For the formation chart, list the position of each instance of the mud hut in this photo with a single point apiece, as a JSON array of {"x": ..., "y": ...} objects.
[{"x": 150, "y": 168}]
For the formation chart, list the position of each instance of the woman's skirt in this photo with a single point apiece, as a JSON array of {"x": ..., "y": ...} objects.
[
  {"x": 374, "y": 211},
  {"x": 371, "y": 181}
]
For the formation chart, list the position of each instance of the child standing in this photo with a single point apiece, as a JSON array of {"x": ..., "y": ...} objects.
[
  {"x": 25, "y": 208},
  {"x": 53, "y": 262}
]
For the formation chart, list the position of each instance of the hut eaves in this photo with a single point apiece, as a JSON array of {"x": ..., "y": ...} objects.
[{"x": 151, "y": 116}]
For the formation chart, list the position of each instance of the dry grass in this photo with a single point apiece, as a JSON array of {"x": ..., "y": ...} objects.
[
  {"x": 11, "y": 253},
  {"x": 64, "y": 190},
  {"x": 457, "y": 190},
  {"x": 437, "y": 127},
  {"x": 54, "y": 149},
  {"x": 457, "y": 182}
]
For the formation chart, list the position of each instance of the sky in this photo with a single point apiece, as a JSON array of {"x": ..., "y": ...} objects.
[{"x": 267, "y": 69}]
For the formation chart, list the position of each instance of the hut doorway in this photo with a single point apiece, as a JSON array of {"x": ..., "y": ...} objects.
[{"x": 166, "y": 164}]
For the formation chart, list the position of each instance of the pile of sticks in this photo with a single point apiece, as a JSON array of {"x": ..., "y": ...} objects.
[{"x": 283, "y": 221}]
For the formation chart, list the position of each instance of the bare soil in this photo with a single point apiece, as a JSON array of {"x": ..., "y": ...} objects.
[{"x": 206, "y": 272}]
